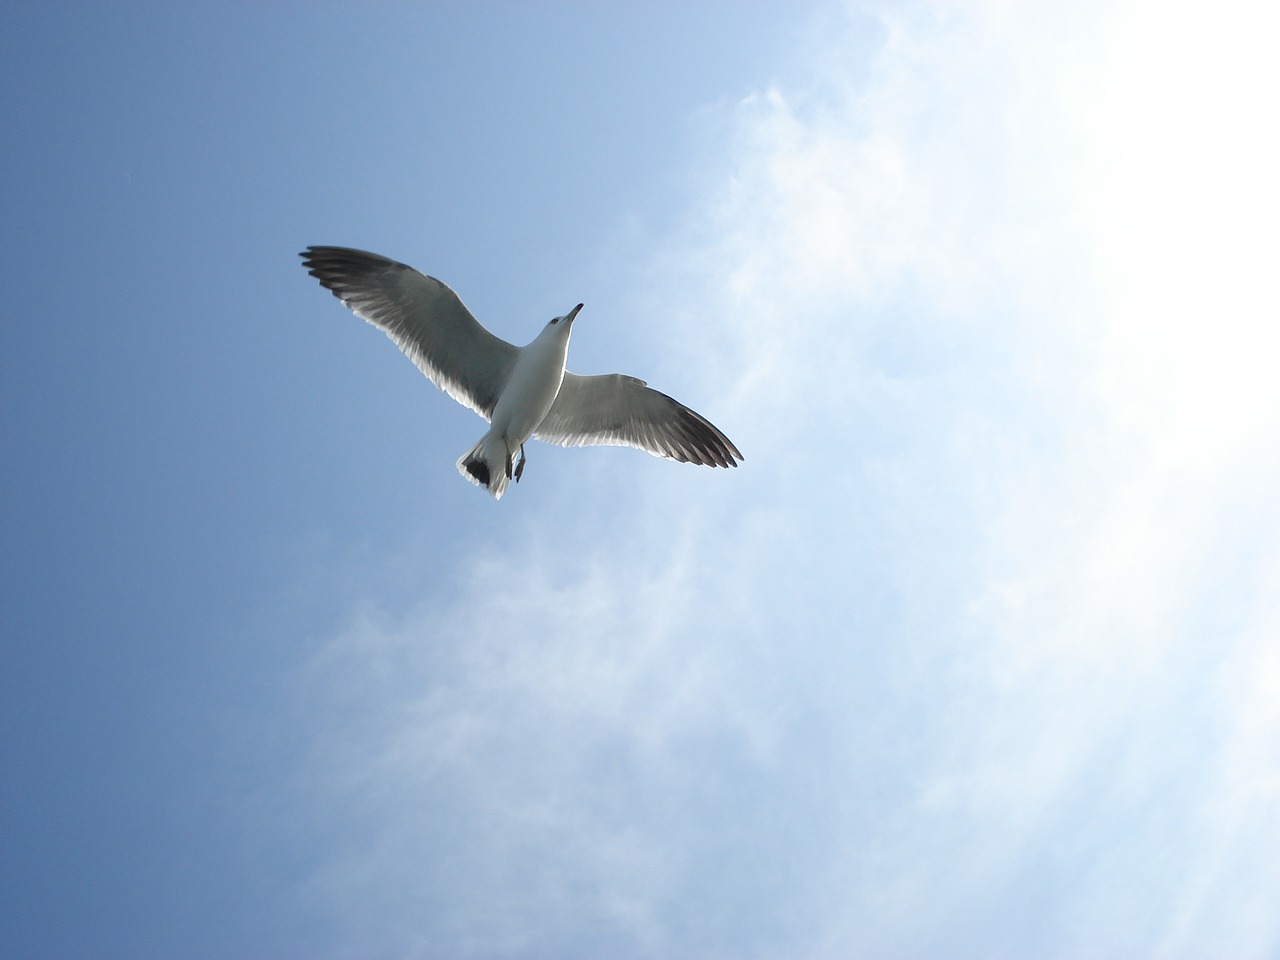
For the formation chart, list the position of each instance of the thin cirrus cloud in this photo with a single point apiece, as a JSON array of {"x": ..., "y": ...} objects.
[{"x": 978, "y": 652}]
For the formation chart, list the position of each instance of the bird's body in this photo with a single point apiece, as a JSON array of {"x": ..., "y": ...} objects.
[
  {"x": 523, "y": 392},
  {"x": 525, "y": 399}
]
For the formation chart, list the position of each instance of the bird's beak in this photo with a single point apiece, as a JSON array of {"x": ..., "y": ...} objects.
[{"x": 573, "y": 313}]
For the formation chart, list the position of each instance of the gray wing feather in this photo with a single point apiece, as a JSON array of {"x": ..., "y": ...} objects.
[
  {"x": 616, "y": 410},
  {"x": 424, "y": 318}
]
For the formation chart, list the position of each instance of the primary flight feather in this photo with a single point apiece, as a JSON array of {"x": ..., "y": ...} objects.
[{"x": 522, "y": 391}]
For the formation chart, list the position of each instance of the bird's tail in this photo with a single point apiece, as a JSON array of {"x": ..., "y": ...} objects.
[{"x": 488, "y": 464}]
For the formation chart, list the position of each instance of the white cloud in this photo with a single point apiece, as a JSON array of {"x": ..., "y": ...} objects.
[{"x": 975, "y": 653}]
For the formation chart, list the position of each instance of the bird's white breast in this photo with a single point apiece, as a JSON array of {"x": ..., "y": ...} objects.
[{"x": 532, "y": 387}]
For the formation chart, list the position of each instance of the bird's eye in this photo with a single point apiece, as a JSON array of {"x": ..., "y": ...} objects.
[{"x": 555, "y": 320}]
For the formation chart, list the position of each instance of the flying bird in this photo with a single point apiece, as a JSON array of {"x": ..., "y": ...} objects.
[{"x": 522, "y": 391}]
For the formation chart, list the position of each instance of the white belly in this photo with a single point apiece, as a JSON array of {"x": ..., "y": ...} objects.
[{"x": 532, "y": 389}]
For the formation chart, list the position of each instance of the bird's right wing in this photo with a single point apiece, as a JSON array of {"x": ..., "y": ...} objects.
[
  {"x": 617, "y": 410},
  {"x": 424, "y": 317}
]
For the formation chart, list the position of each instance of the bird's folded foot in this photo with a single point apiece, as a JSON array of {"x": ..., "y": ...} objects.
[{"x": 520, "y": 464}]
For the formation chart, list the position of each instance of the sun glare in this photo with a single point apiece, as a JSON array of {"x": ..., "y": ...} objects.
[{"x": 1187, "y": 216}]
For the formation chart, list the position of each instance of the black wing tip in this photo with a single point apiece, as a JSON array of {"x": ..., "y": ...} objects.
[
  {"x": 328, "y": 250},
  {"x": 346, "y": 260},
  {"x": 692, "y": 438},
  {"x": 344, "y": 271},
  {"x": 318, "y": 253},
  {"x": 703, "y": 443}
]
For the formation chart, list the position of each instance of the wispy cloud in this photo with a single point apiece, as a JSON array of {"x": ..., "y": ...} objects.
[{"x": 976, "y": 652}]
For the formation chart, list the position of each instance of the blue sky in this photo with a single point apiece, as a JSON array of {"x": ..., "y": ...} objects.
[{"x": 977, "y": 654}]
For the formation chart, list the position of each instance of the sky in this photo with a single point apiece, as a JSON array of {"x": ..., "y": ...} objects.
[{"x": 977, "y": 654}]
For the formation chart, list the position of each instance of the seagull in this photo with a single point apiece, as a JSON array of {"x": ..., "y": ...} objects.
[{"x": 522, "y": 391}]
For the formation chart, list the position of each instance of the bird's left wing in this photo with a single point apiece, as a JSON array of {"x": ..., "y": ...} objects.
[
  {"x": 424, "y": 317},
  {"x": 618, "y": 410}
]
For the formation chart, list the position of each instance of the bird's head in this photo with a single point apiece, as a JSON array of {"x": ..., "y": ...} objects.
[
  {"x": 558, "y": 328},
  {"x": 566, "y": 320}
]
